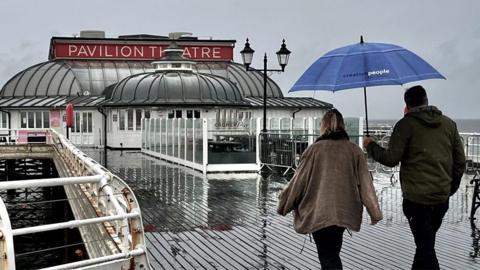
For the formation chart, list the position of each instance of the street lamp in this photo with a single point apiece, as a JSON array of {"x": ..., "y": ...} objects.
[{"x": 282, "y": 55}]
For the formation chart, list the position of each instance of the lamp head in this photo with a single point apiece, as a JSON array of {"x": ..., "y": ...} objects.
[
  {"x": 247, "y": 54},
  {"x": 283, "y": 54}
]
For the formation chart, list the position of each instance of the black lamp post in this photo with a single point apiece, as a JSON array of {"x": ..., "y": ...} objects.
[{"x": 282, "y": 55}]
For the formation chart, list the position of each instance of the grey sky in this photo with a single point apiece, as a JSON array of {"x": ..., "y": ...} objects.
[{"x": 445, "y": 33}]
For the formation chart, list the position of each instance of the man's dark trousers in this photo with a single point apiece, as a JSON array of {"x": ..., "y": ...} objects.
[{"x": 424, "y": 220}]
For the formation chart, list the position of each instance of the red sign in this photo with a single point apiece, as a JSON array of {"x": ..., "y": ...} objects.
[
  {"x": 151, "y": 51},
  {"x": 69, "y": 113}
]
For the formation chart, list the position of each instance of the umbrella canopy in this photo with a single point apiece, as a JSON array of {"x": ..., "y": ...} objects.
[{"x": 365, "y": 64}]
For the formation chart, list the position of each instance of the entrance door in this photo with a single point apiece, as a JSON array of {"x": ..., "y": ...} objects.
[{"x": 82, "y": 130}]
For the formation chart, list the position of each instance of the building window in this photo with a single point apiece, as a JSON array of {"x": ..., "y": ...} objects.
[
  {"x": 193, "y": 114},
  {"x": 178, "y": 114},
  {"x": 130, "y": 119},
  {"x": 171, "y": 114},
  {"x": 121, "y": 123},
  {"x": 76, "y": 126},
  {"x": 138, "y": 119},
  {"x": 3, "y": 120},
  {"x": 83, "y": 122},
  {"x": 30, "y": 119},
  {"x": 37, "y": 119},
  {"x": 46, "y": 119},
  {"x": 23, "y": 119}
]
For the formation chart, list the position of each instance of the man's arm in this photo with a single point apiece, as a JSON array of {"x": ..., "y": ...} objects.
[
  {"x": 459, "y": 162},
  {"x": 396, "y": 146}
]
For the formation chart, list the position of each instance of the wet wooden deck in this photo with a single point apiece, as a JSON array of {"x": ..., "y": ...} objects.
[{"x": 225, "y": 223}]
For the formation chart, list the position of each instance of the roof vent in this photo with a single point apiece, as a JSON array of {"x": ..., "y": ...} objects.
[
  {"x": 92, "y": 34},
  {"x": 173, "y": 59}
]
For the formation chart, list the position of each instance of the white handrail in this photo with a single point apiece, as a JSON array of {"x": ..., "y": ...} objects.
[
  {"x": 71, "y": 224},
  {"x": 102, "y": 189},
  {"x": 50, "y": 182}
]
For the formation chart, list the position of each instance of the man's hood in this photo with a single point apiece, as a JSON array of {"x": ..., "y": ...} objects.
[{"x": 428, "y": 115}]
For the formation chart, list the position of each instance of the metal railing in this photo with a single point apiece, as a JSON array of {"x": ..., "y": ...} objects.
[
  {"x": 115, "y": 206},
  {"x": 284, "y": 149},
  {"x": 472, "y": 150}
]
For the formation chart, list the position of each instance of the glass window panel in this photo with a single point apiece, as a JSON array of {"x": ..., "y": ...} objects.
[
  {"x": 46, "y": 119},
  {"x": 23, "y": 119},
  {"x": 143, "y": 134},
  {"x": 146, "y": 130},
  {"x": 38, "y": 119},
  {"x": 49, "y": 71},
  {"x": 90, "y": 123},
  {"x": 147, "y": 114},
  {"x": 77, "y": 122},
  {"x": 68, "y": 88},
  {"x": 84, "y": 122},
  {"x": 171, "y": 114},
  {"x": 197, "y": 114},
  {"x": 138, "y": 119},
  {"x": 22, "y": 84},
  {"x": 130, "y": 119},
  {"x": 32, "y": 86},
  {"x": 182, "y": 139},
  {"x": 31, "y": 120},
  {"x": 175, "y": 136},
  {"x": 178, "y": 113},
  {"x": 109, "y": 71},
  {"x": 189, "y": 114},
  {"x": 163, "y": 128},
  {"x": 198, "y": 158},
  {"x": 4, "y": 117},
  {"x": 152, "y": 134},
  {"x": 157, "y": 135},
  {"x": 96, "y": 77},
  {"x": 121, "y": 123},
  {"x": 189, "y": 145},
  {"x": 169, "y": 137}
]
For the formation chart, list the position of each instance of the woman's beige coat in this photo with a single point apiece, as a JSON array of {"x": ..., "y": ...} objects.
[{"x": 330, "y": 187}]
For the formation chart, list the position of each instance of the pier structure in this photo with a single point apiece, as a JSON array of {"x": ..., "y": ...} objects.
[{"x": 105, "y": 210}]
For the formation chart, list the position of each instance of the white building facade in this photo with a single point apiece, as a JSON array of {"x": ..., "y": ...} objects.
[{"x": 114, "y": 83}]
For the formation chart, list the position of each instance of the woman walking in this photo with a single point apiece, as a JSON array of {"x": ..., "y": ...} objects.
[{"x": 329, "y": 189}]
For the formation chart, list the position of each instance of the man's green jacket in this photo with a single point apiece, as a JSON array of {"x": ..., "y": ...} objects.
[{"x": 430, "y": 150}]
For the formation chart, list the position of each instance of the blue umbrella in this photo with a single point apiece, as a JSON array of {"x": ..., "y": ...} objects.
[{"x": 365, "y": 64}]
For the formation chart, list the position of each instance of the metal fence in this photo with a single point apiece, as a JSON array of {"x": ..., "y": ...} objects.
[{"x": 472, "y": 151}]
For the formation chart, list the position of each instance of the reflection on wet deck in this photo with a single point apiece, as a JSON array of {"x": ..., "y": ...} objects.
[{"x": 231, "y": 223}]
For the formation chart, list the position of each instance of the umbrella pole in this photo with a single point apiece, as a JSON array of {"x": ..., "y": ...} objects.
[{"x": 366, "y": 111}]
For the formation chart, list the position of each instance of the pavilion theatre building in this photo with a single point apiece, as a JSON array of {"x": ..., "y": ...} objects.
[{"x": 113, "y": 83}]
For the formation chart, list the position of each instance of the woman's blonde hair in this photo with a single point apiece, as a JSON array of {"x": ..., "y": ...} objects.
[{"x": 332, "y": 121}]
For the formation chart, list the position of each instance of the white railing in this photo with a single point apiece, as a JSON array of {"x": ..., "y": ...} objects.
[{"x": 115, "y": 205}]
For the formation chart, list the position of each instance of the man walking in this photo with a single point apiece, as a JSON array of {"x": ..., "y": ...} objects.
[{"x": 428, "y": 146}]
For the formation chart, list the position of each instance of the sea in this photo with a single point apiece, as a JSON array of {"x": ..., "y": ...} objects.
[{"x": 463, "y": 125}]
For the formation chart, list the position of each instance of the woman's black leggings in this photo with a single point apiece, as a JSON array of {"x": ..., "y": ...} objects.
[{"x": 329, "y": 243}]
